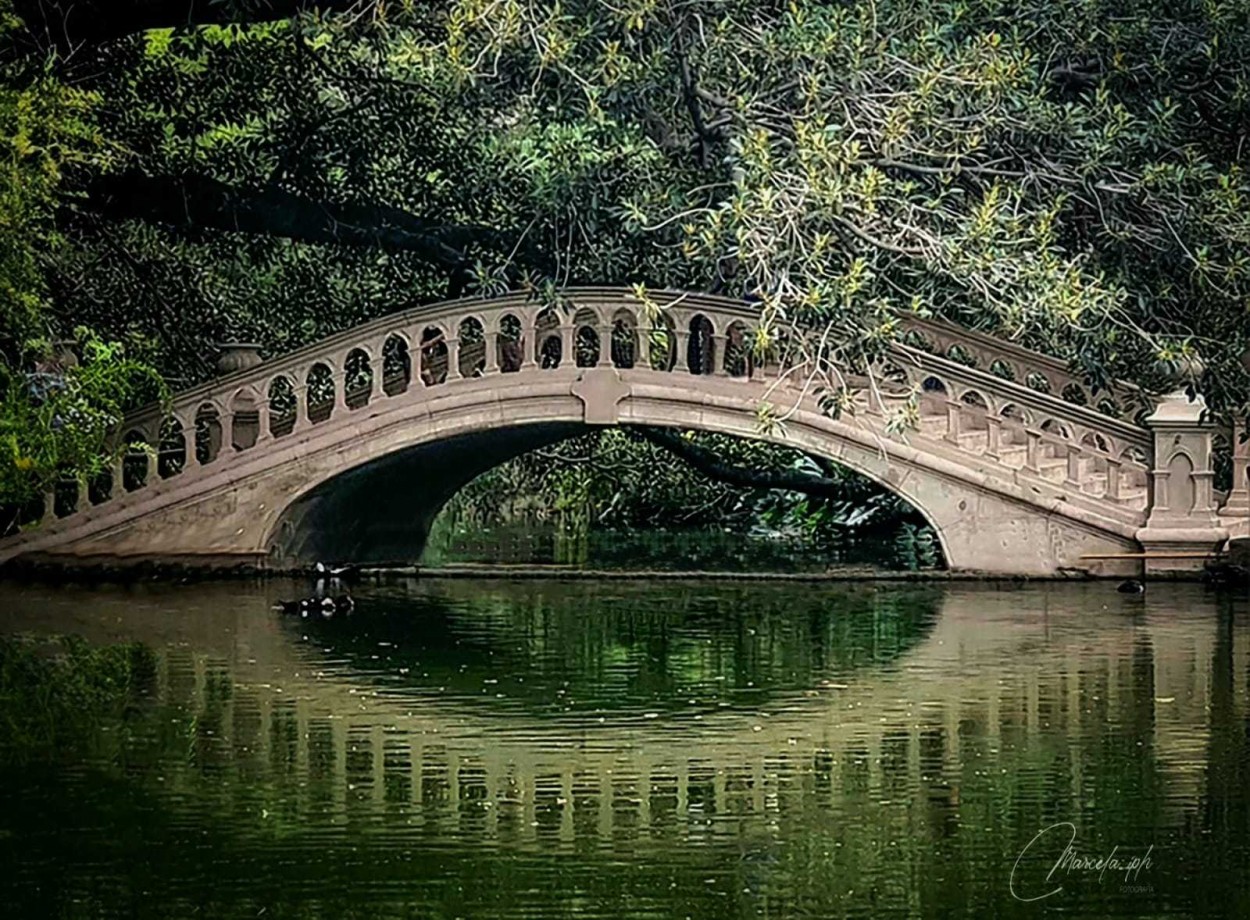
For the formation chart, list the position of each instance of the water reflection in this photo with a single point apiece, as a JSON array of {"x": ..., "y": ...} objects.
[
  {"x": 620, "y": 647},
  {"x": 543, "y": 749}
]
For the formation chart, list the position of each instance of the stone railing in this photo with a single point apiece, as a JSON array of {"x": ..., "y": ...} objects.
[{"x": 976, "y": 399}]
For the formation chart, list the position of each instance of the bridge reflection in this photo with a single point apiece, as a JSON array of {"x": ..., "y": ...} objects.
[{"x": 928, "y": 707}]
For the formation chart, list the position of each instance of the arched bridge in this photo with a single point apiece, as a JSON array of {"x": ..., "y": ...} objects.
[{"x": 348, "y": 448}]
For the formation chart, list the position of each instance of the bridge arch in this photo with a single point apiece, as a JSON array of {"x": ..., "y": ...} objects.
[{"x": 405, "y": 474}]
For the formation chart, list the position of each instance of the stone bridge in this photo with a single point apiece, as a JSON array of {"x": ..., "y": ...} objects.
[{"x": 347, "y": 449}]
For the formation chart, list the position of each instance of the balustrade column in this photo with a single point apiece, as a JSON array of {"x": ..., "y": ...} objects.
[
  {"x": 993, "y": 435},
  {"x": 262, "y": 421},
  {"x": 1032, "y": 449},
  {"x": 529, "y": 344},
  {"x": 1073, "y": 473},
  {"x": 568, "y": 344},
  {"x": 340, "y": 390},
  {"x": 82, "y": 498},
  {"x": 1238, "y": 503},
  {"x": 605, "y": 346},
  {"x": 416, "y": 357},
  {"x": 719, "y": 355},
  {"x": 643, "y": 357},
  {"x": 682, "y": 362},
  {"x": 952, "y": 420},
  {"x": 49, "y": 506},
  {"x": 118, "y": 473},
  {"x": 453, "y": 359},
  {"x": 491, "y": 343},
  {"x": 1115, "y": 473},
  {"x": 302, "y": 422}
]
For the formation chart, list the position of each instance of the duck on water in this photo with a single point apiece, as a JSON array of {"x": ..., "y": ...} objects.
[{"x": 326, "y": 606}]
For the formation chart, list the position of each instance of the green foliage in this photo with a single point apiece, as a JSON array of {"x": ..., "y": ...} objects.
[
  {"x": 54, "y": 695},
  {"x": 616, "y": 482},
  {"x": 1066, "y": 173},
  {"x": 46, "y": 131},
  {"x": 62, "y": 424},
  {"x": 55, "y": 423}
]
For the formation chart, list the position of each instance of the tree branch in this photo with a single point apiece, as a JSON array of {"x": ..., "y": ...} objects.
[
  {"x": 707, "y": 463},
  {"x": 193, "y": 202},
  {"x": 69, "y": 24}
]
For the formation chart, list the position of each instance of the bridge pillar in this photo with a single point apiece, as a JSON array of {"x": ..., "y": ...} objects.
[
  {"x": 453, "y": 358},
  {"x": 302, "y": 422},
  {"x": 1183, "y": 519},
  {"x": 1239, "y": 498},
  {"x": 1236, "y": 511},
  {"x": 492, "y": 353},
  {"x": 682, "y": 363},
  {"x": 263, "y": 433},
  {"x": 605, "y": 345},
  {"x": 719, "y": 354}
]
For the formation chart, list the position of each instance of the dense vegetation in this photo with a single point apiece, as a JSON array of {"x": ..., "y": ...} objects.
[
  {"x": 632, "y": 497},
  {"x": 1065, "y": 173}
]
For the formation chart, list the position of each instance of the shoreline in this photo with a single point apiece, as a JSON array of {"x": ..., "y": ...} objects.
[{"x": 179, "y": 572}]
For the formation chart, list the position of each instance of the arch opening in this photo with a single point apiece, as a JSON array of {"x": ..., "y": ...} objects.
[{"x": 509, "y": 489}]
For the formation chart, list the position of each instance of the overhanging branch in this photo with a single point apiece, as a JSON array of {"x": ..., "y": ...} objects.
[
  {"x": 69, "y": 24},
  {"x": 707, "y": 463},
  {"x": 195, "y": 202}
]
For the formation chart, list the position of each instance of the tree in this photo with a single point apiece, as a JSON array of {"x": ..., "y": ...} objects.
[
  {"x": 57, "y": 415},
  {"x": 1065, "y": 174}
]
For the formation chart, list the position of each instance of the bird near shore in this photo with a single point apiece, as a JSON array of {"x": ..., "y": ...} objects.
[{"x": 1132, "y": 586}]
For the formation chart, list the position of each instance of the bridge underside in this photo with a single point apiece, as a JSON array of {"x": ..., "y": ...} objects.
[
  {"x": 365, "y": 484},
  {"x": 382, "y": 512}
]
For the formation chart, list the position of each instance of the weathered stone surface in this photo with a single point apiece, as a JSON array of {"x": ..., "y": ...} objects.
[{"x": 1014, "y": 481}]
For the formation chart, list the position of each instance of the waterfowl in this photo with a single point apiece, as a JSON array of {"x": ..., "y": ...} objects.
[
  {"x": 336, "y": 571},
  {"x": 1132, "y": 586}
]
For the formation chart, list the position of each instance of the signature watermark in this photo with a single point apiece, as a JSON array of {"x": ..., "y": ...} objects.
[{"x": 1122, "y": 864}]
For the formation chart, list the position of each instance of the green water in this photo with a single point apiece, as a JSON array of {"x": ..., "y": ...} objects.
[{"x": 544, "y": 750}]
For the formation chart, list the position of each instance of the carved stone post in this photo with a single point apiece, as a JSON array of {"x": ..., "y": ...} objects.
[
  {"x": 1032, "y": 449},
  {"x": 529, "y": 343},
  {"x": 568, "y": 344},
  {"x": 605, "y": 345},
  {"x": 1182, "y": 515},
  {"x": 453, "y": 359},
  {"x": 302, "y": 422},
  {"x": 993, "y": 435},
  {"x": 683, "y": 352},
  {"x": 118, "y": 485},
  {"x": 492, "y": 353},
  {"x": 263, "y": 430},
  {"x": 953, "y": 408},
  {"x": 719, "y": 354},
  {"x": 1072, "y": 477},
  {"x": 1238, "y": 504},
  {"x": 1113, "y": 478}
]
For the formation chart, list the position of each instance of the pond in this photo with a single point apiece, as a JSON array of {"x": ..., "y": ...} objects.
[{"x": 507, "y": 749}]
